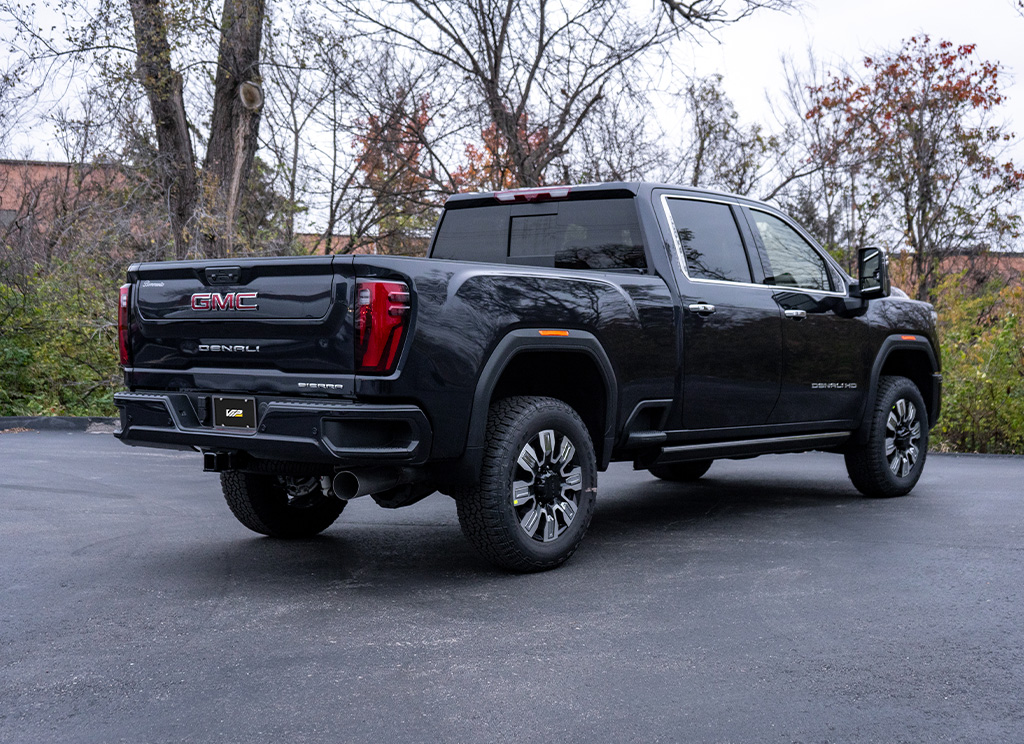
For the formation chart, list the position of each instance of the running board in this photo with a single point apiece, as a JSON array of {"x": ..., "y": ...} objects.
[{"x": 750, "y": 447}]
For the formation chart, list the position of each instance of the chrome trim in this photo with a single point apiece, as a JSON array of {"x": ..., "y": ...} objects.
[
  {"x": 752, "y": 285},
  {"x": 702, "y": 308}
]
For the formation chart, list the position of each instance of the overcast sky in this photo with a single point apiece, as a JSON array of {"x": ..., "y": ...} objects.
[{"x": 748, "y": 55}]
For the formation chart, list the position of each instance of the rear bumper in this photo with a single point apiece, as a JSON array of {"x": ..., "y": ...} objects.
[{"x": 293, "y": 429}]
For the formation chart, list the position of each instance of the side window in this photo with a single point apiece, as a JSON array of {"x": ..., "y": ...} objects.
[
  {"x": 710, "y": 240},
  {"x": 794, "y": 263},
  {"x": 601, "y": 234}
]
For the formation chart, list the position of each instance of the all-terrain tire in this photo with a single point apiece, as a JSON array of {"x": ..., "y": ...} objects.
[
  {"x": 277, "y": 506},
  {"x": 681, "y": 472},
  {"x": 537, "y": 487},
  {"x": 891, "y": 461}
]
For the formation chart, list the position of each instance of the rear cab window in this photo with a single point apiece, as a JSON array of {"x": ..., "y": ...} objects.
[
  {"x": 592, "y": 234},
  {"x": 708, "y": 239}
]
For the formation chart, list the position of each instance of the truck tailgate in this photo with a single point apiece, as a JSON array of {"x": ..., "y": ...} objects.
[{"x": 247, "y": 324}]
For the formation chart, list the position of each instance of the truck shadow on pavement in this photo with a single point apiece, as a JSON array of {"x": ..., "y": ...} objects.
[
  {"x": 429, "y": 552},
  {"x": 653, "y": 502}
]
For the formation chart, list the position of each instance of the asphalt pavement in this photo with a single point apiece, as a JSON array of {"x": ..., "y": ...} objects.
[{"x": 767, "y": 603}]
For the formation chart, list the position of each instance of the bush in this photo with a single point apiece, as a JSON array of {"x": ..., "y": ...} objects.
[
  {"x": 982, "y": 339},
  {"x": 58, "y": 344}
]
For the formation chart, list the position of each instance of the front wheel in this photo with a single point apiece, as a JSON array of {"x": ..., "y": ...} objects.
[
  {"x": 891, "y": 461},
  {"x": 279, "y": 506},
  {"x": 536, "y": 493}
]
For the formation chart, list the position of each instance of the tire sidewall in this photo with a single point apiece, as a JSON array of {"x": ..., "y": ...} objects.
[
  {"x": 549, "y": 415},
  {"x": 902, "y": 388}
]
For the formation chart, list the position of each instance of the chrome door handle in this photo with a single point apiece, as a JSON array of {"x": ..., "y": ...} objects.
[
  {"x": 796, "y": 314},
  {"x": 701, "y": 308}
]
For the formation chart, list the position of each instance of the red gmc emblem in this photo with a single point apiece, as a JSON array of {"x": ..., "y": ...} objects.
[{"x": 229, "y": 301}]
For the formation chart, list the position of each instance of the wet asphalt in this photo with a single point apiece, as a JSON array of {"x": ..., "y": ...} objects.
[{"x": 767, "y": 603}]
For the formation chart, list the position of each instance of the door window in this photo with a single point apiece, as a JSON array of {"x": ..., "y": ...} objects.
[
  {"x": 794, "y": 263},
  {"x": 709, "y": 240}
]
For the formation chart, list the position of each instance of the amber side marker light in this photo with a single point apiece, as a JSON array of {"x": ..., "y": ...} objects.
[
  {"x": 909, "y": 338},
  {"x": 554, "y": 333}
]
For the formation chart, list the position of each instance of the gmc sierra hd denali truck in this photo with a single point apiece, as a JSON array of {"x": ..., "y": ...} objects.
[{"x": 549, "y": 332}]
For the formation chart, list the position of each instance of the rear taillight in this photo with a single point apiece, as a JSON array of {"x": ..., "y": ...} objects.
[
  {"x": 122, "y": 324},
  {"x": 382, "y": 317}
]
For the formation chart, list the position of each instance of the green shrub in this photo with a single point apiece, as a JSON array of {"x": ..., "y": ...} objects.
[
  {"x": 58, "y": 344},
  {"x": 982, "y": 339}
]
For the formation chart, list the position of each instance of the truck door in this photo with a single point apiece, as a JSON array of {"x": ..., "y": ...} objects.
[
  {"x": 824, "y": 366},
  {"x": 732, "y": 326}
]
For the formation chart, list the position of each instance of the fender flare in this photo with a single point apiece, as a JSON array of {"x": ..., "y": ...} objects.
[
  {"x": 900, "y": 342},
  {"x": 528, "y": 340}
]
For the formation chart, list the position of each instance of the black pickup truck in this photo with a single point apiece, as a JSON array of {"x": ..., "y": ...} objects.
[{"x": 549, "y": 332}]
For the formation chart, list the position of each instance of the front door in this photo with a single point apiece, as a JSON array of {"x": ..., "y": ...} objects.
[{"x": 824, "y": 362}]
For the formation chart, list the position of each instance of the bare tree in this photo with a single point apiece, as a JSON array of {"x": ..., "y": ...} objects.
[
  {"x": 154, "y": 44},
  {"x": 721, "y": 152},
  {"x": 538, "y": 71},
  {"x": 818, "y": 180},
  {"x": 235, "y": 121}
]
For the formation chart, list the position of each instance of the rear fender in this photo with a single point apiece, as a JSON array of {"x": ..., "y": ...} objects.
[{"x": 530, "y": 340}]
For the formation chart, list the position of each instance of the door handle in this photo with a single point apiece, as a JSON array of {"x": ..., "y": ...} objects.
[
  {"x": 796, "y": 314},
  {"x": 701, "y": 308}
]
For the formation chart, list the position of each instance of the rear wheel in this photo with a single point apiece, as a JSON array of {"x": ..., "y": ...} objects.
[
  {"x": 681, "y": 472},
  {"x": 891, "y": 461},
  {"x": 536, "y": 493},
  {"x": 280, "y": 506}
]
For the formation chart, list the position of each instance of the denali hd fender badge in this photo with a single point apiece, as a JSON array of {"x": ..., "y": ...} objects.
[
  {"x": 833, "y": 385},
  {"x": 228, "y": 347},
  {"x": 228, "y": 301}
]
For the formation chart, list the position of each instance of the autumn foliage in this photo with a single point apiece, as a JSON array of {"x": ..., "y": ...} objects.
[
  {"x": 489, "y": 165},
  {"x": 397, "y": 183},
  {"x": 916, "y": 127}
]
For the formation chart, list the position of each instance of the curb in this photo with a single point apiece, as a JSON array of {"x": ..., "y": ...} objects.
[{"x": 54, "y": 423}]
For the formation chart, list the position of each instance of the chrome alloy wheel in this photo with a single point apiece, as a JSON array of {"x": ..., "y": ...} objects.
[
  {"x": 547, "y": 486},
  {"x": 902, "y": 435}
]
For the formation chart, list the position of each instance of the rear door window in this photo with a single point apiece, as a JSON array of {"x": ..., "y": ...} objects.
[{"x": 709, "y": 239}]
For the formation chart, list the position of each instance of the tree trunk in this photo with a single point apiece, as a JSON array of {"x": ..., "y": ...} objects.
[
  {"x": 163, "y": 86},
  {"x": 234, "y": 127}
]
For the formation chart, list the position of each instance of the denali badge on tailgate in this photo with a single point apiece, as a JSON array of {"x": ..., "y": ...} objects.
[{"x": 239, "y": 412}]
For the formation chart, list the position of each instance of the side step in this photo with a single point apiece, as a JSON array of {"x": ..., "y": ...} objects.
[{"x": 749, "y": 447}]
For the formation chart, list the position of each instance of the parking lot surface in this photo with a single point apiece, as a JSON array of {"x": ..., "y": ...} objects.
[{"x": 768, "y": 602}]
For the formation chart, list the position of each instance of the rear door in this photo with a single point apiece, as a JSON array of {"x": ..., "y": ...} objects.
[{"x": 731, "y": 329}]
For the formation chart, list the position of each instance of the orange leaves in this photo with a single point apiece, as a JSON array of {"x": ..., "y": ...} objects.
[
  {"x": 918, "y": 130},
  {"x": 489, "y": 165},
  {"x": 391, "y": 148}
]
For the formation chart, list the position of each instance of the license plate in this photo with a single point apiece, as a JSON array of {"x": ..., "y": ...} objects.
[{"x": 235, "y": 412}]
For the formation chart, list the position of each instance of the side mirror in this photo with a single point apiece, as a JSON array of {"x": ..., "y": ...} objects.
[{"x": 872, "y": 274}]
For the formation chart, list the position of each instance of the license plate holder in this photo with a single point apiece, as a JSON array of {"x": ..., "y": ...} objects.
[{"x": 237, "y": 413}]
